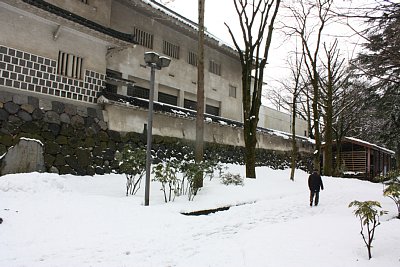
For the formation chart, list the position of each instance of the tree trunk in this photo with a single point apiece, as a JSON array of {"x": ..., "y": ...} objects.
[
  {"x": 199, "y": 150},
  {"x": 250, "y": 155},
  {"x": 309, "y": 126},
  {"x": 317, "y": 136},
  {"x": 338, "y": 157},
  {"x": 294, "y": 145},
  {"x": 328, "y": 135},
  {"x": 252, "y": 61},
  {"x": 398, "y": 156}
]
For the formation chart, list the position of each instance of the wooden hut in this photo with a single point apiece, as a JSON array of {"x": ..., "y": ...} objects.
[{"x": 361, "y": 159}]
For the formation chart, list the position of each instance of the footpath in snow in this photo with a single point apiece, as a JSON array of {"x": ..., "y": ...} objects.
[{"x": 52, "y": 220}]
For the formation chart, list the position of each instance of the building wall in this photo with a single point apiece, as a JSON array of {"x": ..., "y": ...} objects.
[
  {"x": 277, "y": 120},
  {"x": 34, "y": 34},
  {"x": 29, "y": 61},
  {"x": 94, "y": 10},
  {"x": 180, "y": 77},
  {"x": 29, "y": 57}
]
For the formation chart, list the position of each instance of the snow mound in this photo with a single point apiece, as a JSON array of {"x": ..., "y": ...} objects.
[{"x": 32, "y": 183}]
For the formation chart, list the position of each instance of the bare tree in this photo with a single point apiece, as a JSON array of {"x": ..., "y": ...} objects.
[
  {"x": 291, "y": 86},
  {"x": 296, "y": 74},
  {"x": 349, "y": 109},
  {"x": 311, "y": 17},
  {"x": 331, "y": 83},
  {"x": 254, "y": 17},
  {"x": 304, "y": 109}
]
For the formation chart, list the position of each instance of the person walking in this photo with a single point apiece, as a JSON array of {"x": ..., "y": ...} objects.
[{"x": 315, "y": 183}]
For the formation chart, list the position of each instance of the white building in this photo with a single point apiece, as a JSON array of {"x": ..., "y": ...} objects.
[{"x": 73, "y": 50}]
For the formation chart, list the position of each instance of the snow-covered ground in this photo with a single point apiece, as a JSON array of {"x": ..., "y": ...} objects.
[{"x": 52, "y": 220}]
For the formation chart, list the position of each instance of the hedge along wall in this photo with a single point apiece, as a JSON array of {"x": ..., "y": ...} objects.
[{"x": 77, "y": 140}]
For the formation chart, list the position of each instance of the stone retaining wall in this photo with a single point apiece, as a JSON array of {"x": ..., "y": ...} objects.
[{"x": 77, "y": 139}]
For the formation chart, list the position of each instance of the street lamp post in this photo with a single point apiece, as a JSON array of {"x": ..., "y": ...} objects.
[{"x": 154, "y": 61}]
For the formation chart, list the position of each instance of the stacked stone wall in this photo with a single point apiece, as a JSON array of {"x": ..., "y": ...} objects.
[{"x": 77, "y": 140}]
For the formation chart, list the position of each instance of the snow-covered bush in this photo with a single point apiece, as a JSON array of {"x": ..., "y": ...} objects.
[
  {"x": 229, "y": 178},
  {"x": 369, "y": 215},
  {"x": 132, "y": 162},
  {"x": 177, "y": 174},
  {"x": 190, "y": 169},
  {"x": 166, "y": 173}
]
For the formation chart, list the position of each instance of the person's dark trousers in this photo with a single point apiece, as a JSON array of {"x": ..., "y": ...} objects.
[{"x": 314, "y": 194}]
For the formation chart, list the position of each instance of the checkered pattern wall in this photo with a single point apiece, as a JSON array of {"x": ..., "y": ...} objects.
[{"x": 26, "y": 71}]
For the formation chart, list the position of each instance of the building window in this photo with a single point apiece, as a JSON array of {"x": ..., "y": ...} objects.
[
  {"x": 232, "y": 91},
  {"x": 167, "y": 99},
  {"x": 189, "y": 104},
  {"x": 111, "y": 83},
  {"x": 113, "y": 74},
  {"x": 143, "y": 38},
  {"x": 69, "y": 65},
  {"x": 111, "y": 88},
  {"x": 192, "y": 58},
  {"x": 137, "y": 91},
  {"x": 212, "y": 110},
  {"x": 215, "y": 68},
  {"x": 170, "y": 49}
]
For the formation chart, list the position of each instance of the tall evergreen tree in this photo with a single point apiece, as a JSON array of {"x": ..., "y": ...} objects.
[{"x": 380, "y": 62}]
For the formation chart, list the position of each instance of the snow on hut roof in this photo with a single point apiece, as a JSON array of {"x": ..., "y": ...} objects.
[{"x": 367, "y": 144}]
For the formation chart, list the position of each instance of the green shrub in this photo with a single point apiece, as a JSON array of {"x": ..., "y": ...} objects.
[
  {"x": 166, "y": 173},
  {"x": 389, "y": 177},
  {"x": 132, "y": 162},
  {"x": 392, "y": 191},
  {"x": 368, "y": 214}
]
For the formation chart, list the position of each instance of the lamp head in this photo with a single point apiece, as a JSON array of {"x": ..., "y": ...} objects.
[
  {"x": 163, "y": 62},
  {"x": 151, "y": 57}
]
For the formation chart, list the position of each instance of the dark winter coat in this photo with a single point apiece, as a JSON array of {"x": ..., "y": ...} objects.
[{"x": 315, "y": 182}]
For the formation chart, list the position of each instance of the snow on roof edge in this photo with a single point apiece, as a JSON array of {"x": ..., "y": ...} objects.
[{"x": 169, "y": 12}]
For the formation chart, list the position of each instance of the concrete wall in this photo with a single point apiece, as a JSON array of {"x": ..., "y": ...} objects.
[{"x": 126, "y": 118}]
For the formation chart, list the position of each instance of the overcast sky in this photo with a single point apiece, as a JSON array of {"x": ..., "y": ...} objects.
[{"x": 219, "y": 11}]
